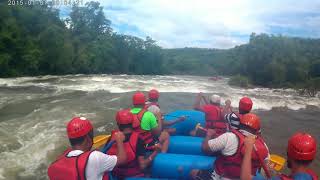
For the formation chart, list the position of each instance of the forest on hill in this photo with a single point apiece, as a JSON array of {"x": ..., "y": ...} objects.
[{"x": 34, "y": 40}]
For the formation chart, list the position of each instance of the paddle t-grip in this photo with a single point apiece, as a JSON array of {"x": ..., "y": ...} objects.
[{"x": 198, "y": 126}]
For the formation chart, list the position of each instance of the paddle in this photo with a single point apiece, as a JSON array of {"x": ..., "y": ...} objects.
[
  {"x": 198, "y": 126},
  {"x": 108, "y": 146},
  {"x": 175, "y": 116},
  {"x": 276, "y": 162},
  {"x": 204, "y": 99},
  {"x": 100, "y": 140}
]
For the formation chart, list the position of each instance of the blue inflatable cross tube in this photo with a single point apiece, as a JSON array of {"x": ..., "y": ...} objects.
[
  {"x": 193, "y": 118},
  {"x": 186, "y": 145},
  {"x": 179, "y": 166}
]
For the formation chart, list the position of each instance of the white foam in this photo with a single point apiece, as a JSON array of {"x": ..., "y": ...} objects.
[
  {"x": 31, "y": 133},
  {"x": 264, "y": 98},
  {"x": 37, "y": 133},
  {"x": 114, "y": 99},
  {"x": 1, "y": 173}
]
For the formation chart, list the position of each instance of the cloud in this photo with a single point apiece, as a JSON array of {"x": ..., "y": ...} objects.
[{"x": 212, "y": 23}]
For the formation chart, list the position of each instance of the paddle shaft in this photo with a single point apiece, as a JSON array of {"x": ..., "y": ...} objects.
[
  {"x": 266, "y": 170},
  {"x": 108, "y": 146},
  {"x": 204, "y": 99},
  {"x": 203, "y": 129},
  {"x": 174, "y": 116},
  {"x": 198, "y": 126}
]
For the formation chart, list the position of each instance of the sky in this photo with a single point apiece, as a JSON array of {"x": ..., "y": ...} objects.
[{"x": 218, "y": 24}]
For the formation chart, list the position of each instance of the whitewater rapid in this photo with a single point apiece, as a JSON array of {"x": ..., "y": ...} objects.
[
  {"x": 264, "y": 98},
  {"x": 35, "y": 110}
]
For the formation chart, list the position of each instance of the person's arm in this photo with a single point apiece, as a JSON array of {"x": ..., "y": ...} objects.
[
  {"x": 246, "y": 161},
  {"x": 197, "y": 103},
  {"x": 145, "y": 162},
  {"x": 156, "y": 127},
  {"x": 205, "y": 144},
  {"x": 227, "y": 108},
  {"x": 170, "y": 123},
  {"x": 121, "y": 154},
  {"x": 220, "y": 143}
]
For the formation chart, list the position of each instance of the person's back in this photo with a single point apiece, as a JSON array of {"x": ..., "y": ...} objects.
[
  {"x": 64, "y": 168},
  {"x": 233, "y": 118},
  {"x": 301, "y": 151},
  {"x": 307, "y": 175},
  {"x": 229, "y": 166},
  {"x": 214, "y": 118},
  {"x": 134, "y": 148},
  {"x": 146, "y": 124},
  {"x": 213, "y": 114},
  {"x": 230, "y": 147},
  {"x": 152, "y": 104},
  {"x": 80, "y": 162}
]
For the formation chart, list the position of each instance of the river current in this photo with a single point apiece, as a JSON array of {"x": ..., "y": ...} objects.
[{"x": 34, "y": 112}]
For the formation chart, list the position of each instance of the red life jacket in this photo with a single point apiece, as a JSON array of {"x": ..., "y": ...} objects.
[
  {"x": 309, "y": 171},
  {"x": 70, "y": 168},
  {"x": 215, "y": 119},
  {"x": 146, "y": 136},
  {"x": 131, "y": 168},
  {"x": 137, "y": 118},
  {"x": 230, "y": 166}
]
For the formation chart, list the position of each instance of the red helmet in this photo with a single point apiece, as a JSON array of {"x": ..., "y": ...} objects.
[
  {"x": 251, "y": 120},
  {"x": 245, "y": 104},
  {"x": 78, "y": 127},
  {"x": 302, "y": 146},
  {"x": 138, "y": 98},
  {"x": 154, "y": 94},
  {"x": 124, "y": 117}
]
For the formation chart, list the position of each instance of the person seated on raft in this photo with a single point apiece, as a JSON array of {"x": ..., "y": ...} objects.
[
  {"x": 301, "y": 151},
  {"x": 79, "y": 161},
  {"x": 153, "y": 106},
  {"x": 213, "y": 115},
  {"x": 230, "y": 145},
  {"x": 245, "y": 106},
  {"x": 134, "y": 148},
  {"x": 227, "y": 109},
  {"x": 148, "y": 125}
]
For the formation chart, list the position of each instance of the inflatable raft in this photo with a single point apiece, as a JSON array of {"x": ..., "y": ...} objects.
[{"x": 184, "y": 153}]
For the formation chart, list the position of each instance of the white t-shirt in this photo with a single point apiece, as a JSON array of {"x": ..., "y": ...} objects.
[
  {"x": 98, "y": 164},
  {"x": 154, "y": 109},
  {"x": 227, "y": 143}
]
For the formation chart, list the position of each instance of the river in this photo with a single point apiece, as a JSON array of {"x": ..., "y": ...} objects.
[{"x": 34, "y": 112}]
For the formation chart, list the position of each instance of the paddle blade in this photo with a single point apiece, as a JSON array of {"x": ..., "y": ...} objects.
[
  {"x": 276, "y": 162},
  {"x": 100, "y": 140}
]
